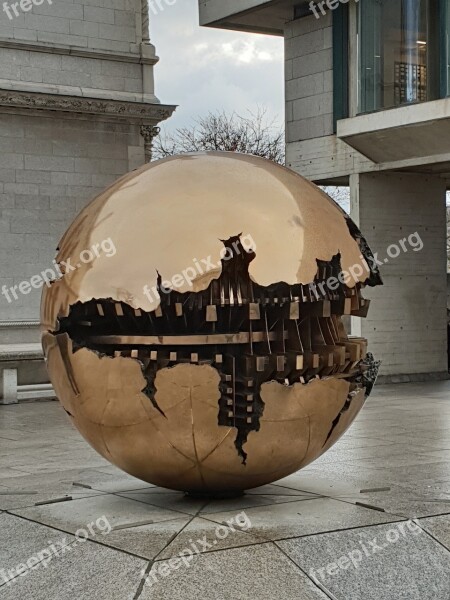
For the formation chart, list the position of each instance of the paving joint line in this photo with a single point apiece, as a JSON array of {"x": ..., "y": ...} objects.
[
  {"x": 315, "y": 582},
  {"x": 92, "y": 541}
]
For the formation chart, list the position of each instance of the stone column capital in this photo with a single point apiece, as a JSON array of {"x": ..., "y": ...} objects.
[{"x": 149, "y": 132}]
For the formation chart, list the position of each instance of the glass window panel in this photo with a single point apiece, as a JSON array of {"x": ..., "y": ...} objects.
[
  {"x": 398, "y": 48},
  {"x": 446, "y": 43}
]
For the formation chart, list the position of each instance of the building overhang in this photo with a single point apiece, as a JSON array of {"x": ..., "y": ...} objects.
[
  {"x": 409, "y": 132},
  {"x": 257, "y": 16}
]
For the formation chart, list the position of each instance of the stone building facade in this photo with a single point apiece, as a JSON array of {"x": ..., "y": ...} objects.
[{"x": 77, "y": 110}]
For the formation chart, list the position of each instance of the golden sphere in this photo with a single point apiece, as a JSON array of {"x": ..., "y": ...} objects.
[{"x": 195, "y": 336}]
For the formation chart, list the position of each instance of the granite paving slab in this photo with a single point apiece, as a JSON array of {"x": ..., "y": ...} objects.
[
  {"x": 252, "y": 573},
  {"x": 78, "y": 570},
  {"x": 70, "y": 516},
  {"x": 439, "y": 528},
  {"x": 22, "y": 538},
  {"x": 254, "y": 500},
  {"x": 401, "y": 566},
  {"x": 146, "y": 541},
  {"x": 202, "y": 535},
  {"x": 307, "y": 517},
  {"x": 404, "y": 501}
]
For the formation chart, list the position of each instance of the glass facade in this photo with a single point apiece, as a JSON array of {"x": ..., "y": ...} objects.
[
  {"x": 445, "y": 40},
  {"x": 398, "y": 52}
]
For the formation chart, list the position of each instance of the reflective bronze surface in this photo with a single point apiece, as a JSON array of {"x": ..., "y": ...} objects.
[{"x": 208, "y": 353}]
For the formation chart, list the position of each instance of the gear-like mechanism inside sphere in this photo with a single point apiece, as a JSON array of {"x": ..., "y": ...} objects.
[{"x": 249, "y": 333}]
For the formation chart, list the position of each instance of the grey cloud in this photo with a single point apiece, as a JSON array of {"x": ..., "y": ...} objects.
[{"x": 207, "y": 69}]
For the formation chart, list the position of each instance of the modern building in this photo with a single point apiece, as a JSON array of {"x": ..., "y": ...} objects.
[
  {"x": 368, "y": 105},
  {"x": 77, "y": 110}
]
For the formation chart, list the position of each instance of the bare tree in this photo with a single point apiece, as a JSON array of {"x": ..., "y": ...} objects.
[
  {"x": 226, "y": 132},
  {"x": 340, "y": 194}
]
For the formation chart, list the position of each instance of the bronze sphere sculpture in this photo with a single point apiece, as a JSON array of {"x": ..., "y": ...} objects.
[{"x": 208, "y": 353}]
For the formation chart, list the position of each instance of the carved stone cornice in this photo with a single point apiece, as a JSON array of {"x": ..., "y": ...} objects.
[{"x": 140, "y": 111}]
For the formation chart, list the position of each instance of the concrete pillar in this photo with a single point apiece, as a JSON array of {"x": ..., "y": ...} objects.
[
  {"x": 403, "y": 217},
  {"x": 9, "y": 387}
]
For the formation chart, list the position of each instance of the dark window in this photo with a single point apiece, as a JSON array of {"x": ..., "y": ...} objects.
[{"x": 399, "y": 56}]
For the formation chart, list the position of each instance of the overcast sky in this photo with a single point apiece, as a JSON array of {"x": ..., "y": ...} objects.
[{"x": 204, "y": 69}]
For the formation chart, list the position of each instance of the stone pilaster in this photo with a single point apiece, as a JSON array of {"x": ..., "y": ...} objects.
[{"x": 149, "y": 132}]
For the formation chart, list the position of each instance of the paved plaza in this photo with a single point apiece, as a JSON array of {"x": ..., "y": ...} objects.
[{"x": 369, "y": 520}]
